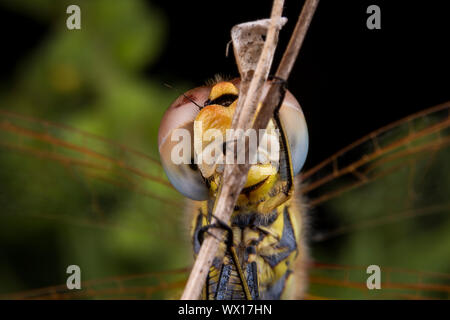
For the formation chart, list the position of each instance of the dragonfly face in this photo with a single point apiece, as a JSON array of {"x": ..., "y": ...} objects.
[
  {"x": 266, "y": 229},
  {"x": 213, "y": 107}
]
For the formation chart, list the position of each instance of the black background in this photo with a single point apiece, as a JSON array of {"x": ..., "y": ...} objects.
[
  {"x": 169, "y": 309},
  {"x": 348, "y": 79}
]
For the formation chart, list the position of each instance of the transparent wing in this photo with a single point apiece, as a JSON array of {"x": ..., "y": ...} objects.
[
  {"x": 155, "y": 285},
  {"x": 110, "y": 210},
  {"x": 71, "y": 198},
  {"x": 384, "y": 200},
  {"x": 350, "y": 282},
  {"x": 339, "y": 281}
]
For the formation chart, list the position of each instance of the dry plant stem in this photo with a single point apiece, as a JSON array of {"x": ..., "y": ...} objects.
[
  {"x": 233, "y": 180},
  {"x": 235, "y": 175},
  {"x": 275, "y": 92},
  {"x": 248, "y": 46},
  {"x": 296, "y": 41}
]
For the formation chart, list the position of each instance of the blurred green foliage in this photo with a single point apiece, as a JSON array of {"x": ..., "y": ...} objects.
[
  {"x": 90, "y": 79},
  {"x": 399, "y": 221}
]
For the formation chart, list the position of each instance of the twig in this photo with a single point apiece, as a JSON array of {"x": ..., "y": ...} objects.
[
  {"x": 235, "y": 175},
  {"x": 287, "y": 62},
  {"x": 230, "y": 190}
]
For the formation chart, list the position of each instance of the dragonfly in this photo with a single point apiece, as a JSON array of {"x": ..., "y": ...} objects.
[
  {"x": 73, "y": 197},
  {"x": 413, "y": 150},
  {"x": 258, "y": 259}
]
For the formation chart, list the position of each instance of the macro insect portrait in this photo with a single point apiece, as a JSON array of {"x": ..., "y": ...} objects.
[{"x": 279, "y": 150}]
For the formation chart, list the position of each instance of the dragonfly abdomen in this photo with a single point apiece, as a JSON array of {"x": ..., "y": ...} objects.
[
  {"x": 260, "y": 264},
  {"x": 224, "y": 281}
]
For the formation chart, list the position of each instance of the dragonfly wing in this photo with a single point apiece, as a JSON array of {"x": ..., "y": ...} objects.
[
  {"x": 168, "y": 284},
  {"x": 107, "y": 207},
  {"x": 384, "y": 201}
]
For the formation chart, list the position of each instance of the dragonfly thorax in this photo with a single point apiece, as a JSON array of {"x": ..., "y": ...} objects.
[{"x": 262, "y": 255}]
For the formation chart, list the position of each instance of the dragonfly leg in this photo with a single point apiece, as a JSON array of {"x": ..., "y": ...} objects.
[
  {"x": 220, "y": 225},
  {"x": 232, "y": 251}
]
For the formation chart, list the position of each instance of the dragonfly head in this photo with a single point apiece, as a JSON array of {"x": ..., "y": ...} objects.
[{"x": 196, "y": 141}]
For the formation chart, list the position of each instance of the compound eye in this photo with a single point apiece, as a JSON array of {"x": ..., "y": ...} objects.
[
  {"x": 294, "y": 124},
  {"x": 176, "y": 141}
]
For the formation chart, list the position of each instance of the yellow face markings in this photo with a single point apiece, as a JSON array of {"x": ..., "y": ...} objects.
[
  {"x": 262, "y": 176},
  {"x": 223, "y": 88},
  {"x": 257, "y": 173},
  {"x": 215, "y": 117}
]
